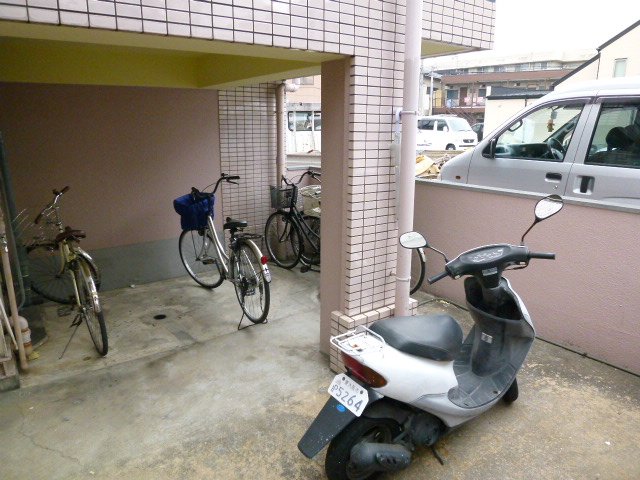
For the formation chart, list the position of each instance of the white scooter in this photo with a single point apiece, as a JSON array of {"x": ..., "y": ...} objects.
[{"x": 410, "y": 380}]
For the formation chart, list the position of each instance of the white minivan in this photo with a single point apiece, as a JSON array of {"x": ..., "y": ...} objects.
[
  {"x": 582, "y": 141},
  {"x": 445, "y": 132}
]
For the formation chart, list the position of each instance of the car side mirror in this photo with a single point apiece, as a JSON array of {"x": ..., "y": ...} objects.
[{"x": 490, "y": 150}]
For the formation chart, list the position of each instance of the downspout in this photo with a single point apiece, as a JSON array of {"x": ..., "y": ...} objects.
[
  {"x": 407, "y": 184},
  {"x": 281, "y": 112}
]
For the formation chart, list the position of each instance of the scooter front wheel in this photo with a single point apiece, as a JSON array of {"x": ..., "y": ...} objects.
[{"x": 338, "y": 465}]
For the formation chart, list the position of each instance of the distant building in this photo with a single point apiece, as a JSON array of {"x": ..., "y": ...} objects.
[
  {"x": 617, "y": 57},
  {"x": 467, "y": 80}
]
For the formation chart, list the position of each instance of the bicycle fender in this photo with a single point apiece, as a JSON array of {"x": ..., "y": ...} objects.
[
  {"x": 332, "y": 419},
  {"x": 263, "y": 266}
]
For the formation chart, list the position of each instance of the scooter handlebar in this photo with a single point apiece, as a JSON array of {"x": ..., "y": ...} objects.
[
  {"x": 542, "y": 255},
  {"x": 436, "y": 278}
]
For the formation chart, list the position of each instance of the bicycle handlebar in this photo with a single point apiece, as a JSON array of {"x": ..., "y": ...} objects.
[
  {"x": 311, "y": 173},
  {"x": 57, "y": 194}
]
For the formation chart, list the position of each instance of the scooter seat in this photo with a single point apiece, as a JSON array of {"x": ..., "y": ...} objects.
[{"x": 436, "y": 337}]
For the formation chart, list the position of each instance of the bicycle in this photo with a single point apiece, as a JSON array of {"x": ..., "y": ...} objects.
[
  {"x": 206, "y": 261},
  {"x": 61, "y": 271},
  {"x": 291, "y": 236}
]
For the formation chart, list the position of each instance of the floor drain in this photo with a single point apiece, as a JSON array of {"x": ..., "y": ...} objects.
[{"x": 160, "y": 316}]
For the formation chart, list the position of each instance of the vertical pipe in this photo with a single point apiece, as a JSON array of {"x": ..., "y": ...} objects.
[
  {"x": 11, "y": 294},
  {"x": 280, "y": 132},
  {"x": 16, "y": 251},
  {"x": 407, "y": 185}
]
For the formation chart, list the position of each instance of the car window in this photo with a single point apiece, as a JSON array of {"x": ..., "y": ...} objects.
[
  {"x": 302, "y": 120},
  {"x": 426, "y": 124},
  {"x": 543, "y": 134},
  {"x": 442, "y": 126},
  {"x": 459, "y": 124},
  {"x": 616, "y": 138}
]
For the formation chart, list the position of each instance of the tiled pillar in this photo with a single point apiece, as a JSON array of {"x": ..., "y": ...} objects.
[{"x": 248, "y": 149}]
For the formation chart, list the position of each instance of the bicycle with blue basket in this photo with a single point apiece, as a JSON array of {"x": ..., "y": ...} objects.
[{"x": 209, "y": 264}]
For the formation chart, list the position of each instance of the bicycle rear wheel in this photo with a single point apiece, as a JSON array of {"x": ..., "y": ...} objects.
[
  {"x": 49, "y": 278},
  {"x": 200, "y": 257},
  {"x": 90, "y": 309},
  {"x": 283, "y": 240},
  {"x": 310, "y": 253},
  {"x": 251, "y": 287}
]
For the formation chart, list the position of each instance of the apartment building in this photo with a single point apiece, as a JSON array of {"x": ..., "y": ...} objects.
[{"x": 466, "y": 80}]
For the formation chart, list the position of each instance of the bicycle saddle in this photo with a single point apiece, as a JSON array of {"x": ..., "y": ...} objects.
[
  {"x": 234, "y": 224},
  {"x": 70, "y": 233}
]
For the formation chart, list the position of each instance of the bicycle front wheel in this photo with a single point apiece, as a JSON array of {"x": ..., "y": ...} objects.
[
  {"x": 200, "y": 257},
  {"x": 283, "y": 240},
  {"x": 90, "y": 309},
  {"x": 251, "y": 287},
  {"x": 49, "y": 276}
]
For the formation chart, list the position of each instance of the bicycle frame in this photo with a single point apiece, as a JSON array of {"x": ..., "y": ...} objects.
[
  {"x": 222, "y": 254},
  {"x": 306, "y": 230}
]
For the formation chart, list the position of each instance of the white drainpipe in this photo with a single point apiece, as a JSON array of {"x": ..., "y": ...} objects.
[
  {"x": 407, "y": 185},
  {"x": 281, "y": 113}
]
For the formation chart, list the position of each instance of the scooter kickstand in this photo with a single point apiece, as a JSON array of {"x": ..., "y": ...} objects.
[{"x": 437, "y": 455}]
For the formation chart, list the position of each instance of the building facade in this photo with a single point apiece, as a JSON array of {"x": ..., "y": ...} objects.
[{"x": 227, "y": 55}]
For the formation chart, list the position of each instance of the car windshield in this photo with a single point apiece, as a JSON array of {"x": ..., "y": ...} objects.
[{"x": 459, "y": 124}]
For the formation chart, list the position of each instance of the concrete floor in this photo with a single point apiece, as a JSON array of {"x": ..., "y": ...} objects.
[{"x": 192, "y": 397}]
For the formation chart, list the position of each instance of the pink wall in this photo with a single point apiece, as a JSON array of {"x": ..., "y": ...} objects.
[
  {"x": 125, "y": 152},
  {"x": 587, "y": 299}
]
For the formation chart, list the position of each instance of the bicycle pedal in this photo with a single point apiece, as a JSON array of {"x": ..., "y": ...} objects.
[
  {"x": 65, "y": 311},
  {"x": 208, "y": 261}
]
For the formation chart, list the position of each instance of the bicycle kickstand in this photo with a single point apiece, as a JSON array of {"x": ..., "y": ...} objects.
[
  {"x": 266, "y": 320},
  {"x": 76, "y": 323}
]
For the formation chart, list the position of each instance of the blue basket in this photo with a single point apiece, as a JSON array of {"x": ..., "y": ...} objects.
[{"x": 193, "y": 213}]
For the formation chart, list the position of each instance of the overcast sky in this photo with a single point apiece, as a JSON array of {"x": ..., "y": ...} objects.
[{"x": 543, "y": 25}]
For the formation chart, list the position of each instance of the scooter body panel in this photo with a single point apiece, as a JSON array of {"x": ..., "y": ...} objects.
[{"x": 408, "y": 377}]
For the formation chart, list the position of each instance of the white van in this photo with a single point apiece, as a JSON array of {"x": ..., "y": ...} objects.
[
  {"x": 582, "y": 141},
  {"x": 445, "y": 132},
  {"x": 304, "y": 125}
]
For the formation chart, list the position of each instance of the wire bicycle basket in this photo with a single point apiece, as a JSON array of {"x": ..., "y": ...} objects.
[{"x": 282, "y": 197}]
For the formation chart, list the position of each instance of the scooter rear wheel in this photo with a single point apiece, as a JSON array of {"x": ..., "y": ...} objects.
[
  {"x": 511, "y": 395},
  {"x": 337, "y": 464}
]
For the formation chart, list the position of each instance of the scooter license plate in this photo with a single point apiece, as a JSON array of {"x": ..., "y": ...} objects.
[{"x": 349, "y": 393}]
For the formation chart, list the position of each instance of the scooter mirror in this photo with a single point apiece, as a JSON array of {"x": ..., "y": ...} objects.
[
  {"x": 413, "y": 240},
  {"x": 545, "y": 208},
  {"x": 548, "y": 206}
]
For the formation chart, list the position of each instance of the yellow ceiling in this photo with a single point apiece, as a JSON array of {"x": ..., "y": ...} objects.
[
  {"x": 54, "y": 54},
  {"x": 36, "y": 53}
]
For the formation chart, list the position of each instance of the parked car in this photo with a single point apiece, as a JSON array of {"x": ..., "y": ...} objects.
[
  {"x": 582, "y": 141},
  {"x": 479, "y": 129},
  {"x": 445, "y": 132}
]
